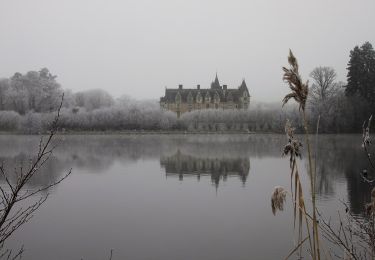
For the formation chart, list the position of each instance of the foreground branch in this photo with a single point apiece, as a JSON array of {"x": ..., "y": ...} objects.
[{"x": 15, "y": 207}]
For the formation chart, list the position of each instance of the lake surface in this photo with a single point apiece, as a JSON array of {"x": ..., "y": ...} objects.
[{"x": 176, "y": 196}]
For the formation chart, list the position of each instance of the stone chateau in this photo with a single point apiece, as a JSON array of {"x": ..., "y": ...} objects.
[{"x": 182, "y": 100}]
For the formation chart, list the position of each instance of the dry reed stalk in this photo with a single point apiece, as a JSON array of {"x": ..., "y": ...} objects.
[
  {"x": 293, "y": 150},
  {"x": 299, "y": 94},
  {"x": 356, "y": 236}
]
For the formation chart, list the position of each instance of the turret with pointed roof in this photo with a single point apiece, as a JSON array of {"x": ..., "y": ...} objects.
[
  {"x": 243, "y": 84},
  {"x": 243, "y": 87},
  {"x": 215, "y": 84}
]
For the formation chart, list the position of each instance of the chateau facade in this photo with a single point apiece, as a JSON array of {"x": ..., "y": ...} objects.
[{"x": 182, "y": 100}]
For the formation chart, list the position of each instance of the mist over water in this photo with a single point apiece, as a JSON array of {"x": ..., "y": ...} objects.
[{"x": 176, "y": 196}]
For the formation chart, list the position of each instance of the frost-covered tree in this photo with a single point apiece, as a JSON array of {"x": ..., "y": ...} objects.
[
  {"x": 93, "y": 99},
  {"x": 324, "y": 84},
  {"x": 9, "y": 121},
  {"x": 36, "y": 90},
  {"x": 322, "y": 98},
  {"x": 4, "y": 93}
]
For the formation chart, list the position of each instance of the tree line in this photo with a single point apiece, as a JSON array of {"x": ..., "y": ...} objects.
[
  {"x": 343, "y": 107},
  {"x": 26, "y": 101}
]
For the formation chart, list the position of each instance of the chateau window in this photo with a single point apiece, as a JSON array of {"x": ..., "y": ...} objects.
[
  {"x": 207, "y": 98},
  {"x": 216, "y": 106},
  {"x": 207, "y": 105},
  {"x": 178, "y": 98},
  {"x": 190, "y": 98},
  {"x": 199, "y": 97}
]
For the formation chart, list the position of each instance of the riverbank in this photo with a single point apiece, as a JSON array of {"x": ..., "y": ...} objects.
[
  {"x": 149, "y": 132},
  {"x": 138, "y": 132}
]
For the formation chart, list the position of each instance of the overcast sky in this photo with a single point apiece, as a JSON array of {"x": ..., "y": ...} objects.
[{"x": 139, "y": 47}]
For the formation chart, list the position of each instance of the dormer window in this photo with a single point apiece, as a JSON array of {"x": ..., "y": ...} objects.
[
  {"x": 199, "y": 97},
  {"x": 178, "y": 98},
  {"x": 190, "y": 98},
  {"x": 207, "y": 98}
]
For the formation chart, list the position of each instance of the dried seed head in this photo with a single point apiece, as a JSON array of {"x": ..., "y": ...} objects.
[
  {"x": 292, "y": 77},
  {"x": 278, "y": 198},
  {"x": 289, "y": 130},
  {"x": 293, "y": 147}
]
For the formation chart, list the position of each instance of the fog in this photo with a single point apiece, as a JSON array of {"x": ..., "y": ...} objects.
[{"x": 140, "y": 47}]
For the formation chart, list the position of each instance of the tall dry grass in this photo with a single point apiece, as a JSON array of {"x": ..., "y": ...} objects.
[{"x": 299, "y": 92}]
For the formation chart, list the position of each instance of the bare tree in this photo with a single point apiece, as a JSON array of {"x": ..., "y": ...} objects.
[
  {"x": 18, "y": 202},
  {"x": 324, "y": 84},
  {"x": 324, "y": 98}
]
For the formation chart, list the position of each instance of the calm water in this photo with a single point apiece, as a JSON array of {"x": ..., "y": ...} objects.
[{"x": 176, "y": 197}]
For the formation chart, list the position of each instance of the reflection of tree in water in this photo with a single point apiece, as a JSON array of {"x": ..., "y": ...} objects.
[
  {"x": 135, "y": 147},
  {"x": 50, "y": 172},
  {"x": 340, "y": 158},
  {"x": 359, "y": 192},
  {"x": 218, "y": 168},
  {"x": 96, "y": 153},
  {"x": 329, "y": 169}
]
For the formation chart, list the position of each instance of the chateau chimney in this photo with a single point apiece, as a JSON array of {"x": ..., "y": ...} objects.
[
  {"x": 198, "y": 86},
  {"x": 225, "y": 87},
  {"x": 180, "y": 86}
]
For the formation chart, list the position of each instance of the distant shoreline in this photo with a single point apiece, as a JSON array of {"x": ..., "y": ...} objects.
[
  {"x": 148, "y": 132},
  {"x": 138, "y": 132}
]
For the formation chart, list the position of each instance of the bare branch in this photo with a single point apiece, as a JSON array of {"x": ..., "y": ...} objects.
[{"x": 10, "y": 219}]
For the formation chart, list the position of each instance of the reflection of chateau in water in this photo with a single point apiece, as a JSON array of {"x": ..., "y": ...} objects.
[
  {"x": 340, "y": 158},
  {"x": 218, "y": 168}
]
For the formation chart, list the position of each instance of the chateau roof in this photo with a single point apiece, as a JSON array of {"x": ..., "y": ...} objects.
[
  {"x": 224, "y": 94},
  {"x": 243, "y": 85},
  {"x": 170, "y": 94}
]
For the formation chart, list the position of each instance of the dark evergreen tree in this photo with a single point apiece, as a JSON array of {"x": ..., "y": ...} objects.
[{"x": 361, "y": 73}]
